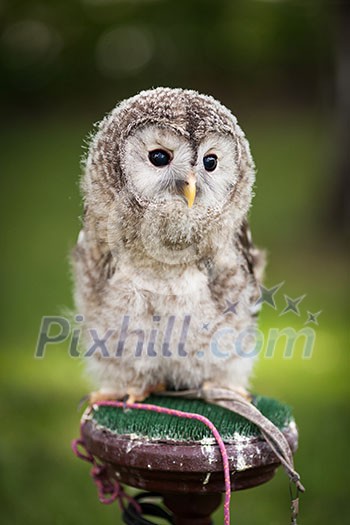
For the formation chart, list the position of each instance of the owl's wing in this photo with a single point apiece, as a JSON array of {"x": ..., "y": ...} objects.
[
  {"x": 225, "y": 282},
  {"x": 93, "y": 264},
  {"x": 254, "y": 258}
]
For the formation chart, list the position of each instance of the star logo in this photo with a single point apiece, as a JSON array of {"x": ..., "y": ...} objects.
[
  {"x": 231, "y": 307},
  {"x": 292, "y": 304},
  {"x": 267, "y": 295},
  {"x": 312, "y": 318}
]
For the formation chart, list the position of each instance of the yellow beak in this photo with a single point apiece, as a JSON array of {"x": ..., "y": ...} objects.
[{"x": 189, "y": 189}]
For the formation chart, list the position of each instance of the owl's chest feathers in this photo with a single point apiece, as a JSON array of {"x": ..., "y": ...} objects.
[
  {"x": 145, "y": 288},
  {"x": 171, "y": 307},
  {"x": 145, "y": 292}
]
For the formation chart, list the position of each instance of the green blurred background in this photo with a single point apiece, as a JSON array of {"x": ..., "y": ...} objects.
[{"x": 282, "y": 67}]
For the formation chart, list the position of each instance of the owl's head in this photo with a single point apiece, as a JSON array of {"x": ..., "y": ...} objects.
[{"x": 173, "y": 151}]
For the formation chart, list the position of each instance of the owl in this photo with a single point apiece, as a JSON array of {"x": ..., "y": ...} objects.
[{"x": 166, "y": 275}]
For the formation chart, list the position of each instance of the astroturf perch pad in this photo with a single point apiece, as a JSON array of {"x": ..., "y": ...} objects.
[
  {"x": 162, "y": 426},
  {"x": 159, "y": 452}
]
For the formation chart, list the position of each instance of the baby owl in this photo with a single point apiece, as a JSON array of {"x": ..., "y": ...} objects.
[{"x": 166, "y": 276}]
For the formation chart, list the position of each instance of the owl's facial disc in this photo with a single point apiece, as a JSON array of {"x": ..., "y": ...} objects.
[{"x": 162, "y": 166}]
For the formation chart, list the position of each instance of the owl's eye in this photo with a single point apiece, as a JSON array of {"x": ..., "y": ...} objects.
[
  {"x": 159, "y": 157},
  {"x": 210, "y": 162}
]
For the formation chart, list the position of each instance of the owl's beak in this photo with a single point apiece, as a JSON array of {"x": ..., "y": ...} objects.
[{"x": 189, "y": 189}]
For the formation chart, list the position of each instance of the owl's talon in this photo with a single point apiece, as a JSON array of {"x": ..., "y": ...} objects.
[
  {"x": 125, "y": 401},
  {"x": 131, "y": 398},
  {"x": 138, "y": 397},
  {"x": 99, "y": 396},
  {"x": 83, "y": 400}
]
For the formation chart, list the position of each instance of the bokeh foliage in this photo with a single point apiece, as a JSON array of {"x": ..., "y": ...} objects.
[{"x": 89, "y": 49}]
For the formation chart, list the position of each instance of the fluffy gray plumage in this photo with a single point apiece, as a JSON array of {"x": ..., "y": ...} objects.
[{"x": 154, "y": 277}]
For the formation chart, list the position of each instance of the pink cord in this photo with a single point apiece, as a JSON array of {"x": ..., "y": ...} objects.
[
  {"x": 108, "y": 490},
  {"x": 116, "y": 492}
]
